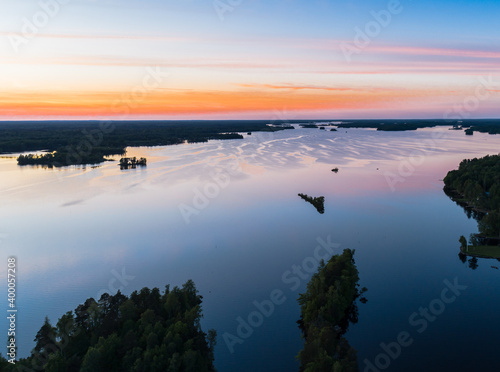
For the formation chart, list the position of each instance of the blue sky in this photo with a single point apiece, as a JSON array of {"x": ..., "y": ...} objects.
[{"x": 248, "y": 58}]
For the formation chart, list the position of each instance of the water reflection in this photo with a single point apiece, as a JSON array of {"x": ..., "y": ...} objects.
[
  {"x": 468, "y": 210},
  {"x": 479, "y": 245},
  {"x": 462, "y": 257},
  {"x": 70, "y": 229}
]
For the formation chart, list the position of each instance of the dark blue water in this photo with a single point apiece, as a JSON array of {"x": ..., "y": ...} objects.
[{"x": 79, "y": 232}]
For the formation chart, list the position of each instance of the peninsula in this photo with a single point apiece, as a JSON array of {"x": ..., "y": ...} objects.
[
  {"x": 476, "y": 187},
  {"x": 326, "y": 310}
]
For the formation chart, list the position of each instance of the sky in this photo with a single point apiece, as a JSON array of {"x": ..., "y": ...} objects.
[{"x": 249, "y": 59}]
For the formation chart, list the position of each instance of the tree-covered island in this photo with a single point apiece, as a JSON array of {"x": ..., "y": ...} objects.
[
  {"x": 126, "y": 163},
  {"x": 317, "y": 202},
  {"x": 327, "y": 308}
]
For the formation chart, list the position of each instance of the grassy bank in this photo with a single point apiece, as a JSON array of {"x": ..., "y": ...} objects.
[{"x": 488, "y": 251}]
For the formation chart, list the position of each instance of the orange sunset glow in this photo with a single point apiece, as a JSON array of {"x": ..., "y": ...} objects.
[
  {"x": 265, "y": 100},
  {"x": 237, "y": 64}
]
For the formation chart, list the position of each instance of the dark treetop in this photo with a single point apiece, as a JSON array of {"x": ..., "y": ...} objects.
[
  {"x": 491, "y": 126},
  {"x": 476, "y": 184},
  {"x": 146, "y": 332},
  {"x": 327, "y": 308},
  {"x": 317, "y": 202}
]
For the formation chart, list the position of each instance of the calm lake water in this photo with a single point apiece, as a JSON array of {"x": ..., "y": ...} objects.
[{"x": 226, "y": 214}]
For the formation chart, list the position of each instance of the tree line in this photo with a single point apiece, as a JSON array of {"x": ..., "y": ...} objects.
[
  {"x": 88, "y": 142},
  {"x": 477, "y": 184},
  {"x": 147, "y": 331},
  {"x": 152, "y": 331},
  {"x": 491, "y": 126}
]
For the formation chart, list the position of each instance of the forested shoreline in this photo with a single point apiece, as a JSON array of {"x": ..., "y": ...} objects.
[
  {"x": 160, "y": 331},
  {"x": 147, "y": 331},
  {"x": 327, "y": 308},
  {"x": 491, "y": 126},
  {"x": 476, "y": 185},
  {"x": 89, "y": 142}
]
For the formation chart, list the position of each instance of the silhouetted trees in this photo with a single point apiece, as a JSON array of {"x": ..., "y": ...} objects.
[
  {"x": 317, "y": 202},
  {"x": 473, "y": 263},
  {"x": 327, "y": 308},
  {"x": 491, "y": 126},
  {"x": 489, "y": 225},
  {"x": 463, "y": 243},
  {"x": 148, "y": 331},
  {"x": 53, "y": 135},
  {"x": 88, "y": 142},
  {"x": 462, "y": 257},
  {"x": 476, "y": 184},
  {"x": 126, "y": 163}
]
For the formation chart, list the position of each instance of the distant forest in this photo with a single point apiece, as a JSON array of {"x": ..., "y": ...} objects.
[
  {"x": 148, "y": 331},
  {"x": 491, "y": 126},
  {"x": 477, "y": 184},
  {"x": 88, "y": 142}
]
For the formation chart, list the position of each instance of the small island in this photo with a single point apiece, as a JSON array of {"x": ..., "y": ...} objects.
[
  {"x": 327, "y": 308},
  {"x": 309, "y": 125},
  {"x": 317, "y": 202},
  {"x": 126, "y": 163},
  {"x": 64, "y": 158}
]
